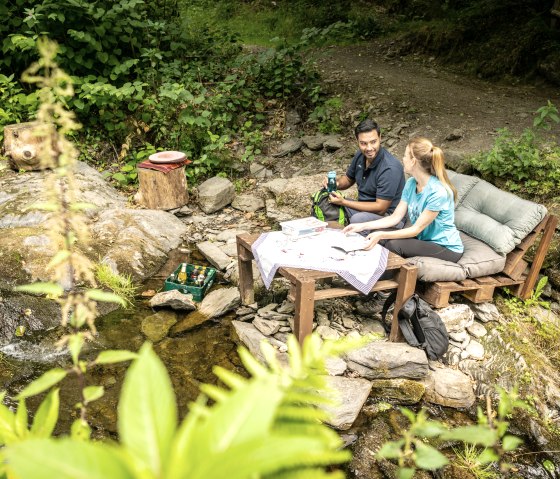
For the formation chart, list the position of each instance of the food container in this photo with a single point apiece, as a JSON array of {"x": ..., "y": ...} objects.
[
  {"x": 197, "y": 292},
  {"x": 303, "y": 227}
]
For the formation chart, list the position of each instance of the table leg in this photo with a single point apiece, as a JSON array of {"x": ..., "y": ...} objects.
[
  {"x": 245, "y": 263},
  {"x": 407, "y": 284},
  {"x": 304, "y": 303}
]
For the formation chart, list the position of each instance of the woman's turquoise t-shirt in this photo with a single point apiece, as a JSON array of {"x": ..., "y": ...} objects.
[{"x": 434, "y": 197}]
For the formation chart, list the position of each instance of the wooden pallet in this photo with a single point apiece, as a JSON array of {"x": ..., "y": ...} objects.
[{"x": 514, "y": 275}]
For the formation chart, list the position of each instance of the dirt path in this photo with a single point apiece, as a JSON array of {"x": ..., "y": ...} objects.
[{"x": 430, "y": 99}]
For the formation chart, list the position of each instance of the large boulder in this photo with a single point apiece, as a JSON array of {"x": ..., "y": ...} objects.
[{"x": 132, "y": 241}]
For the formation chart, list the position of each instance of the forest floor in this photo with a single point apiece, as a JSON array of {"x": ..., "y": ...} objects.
[{"x": 429, "y": 98}]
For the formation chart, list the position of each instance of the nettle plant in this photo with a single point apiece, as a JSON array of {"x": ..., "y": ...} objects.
[{"x": 267, "y": 425}]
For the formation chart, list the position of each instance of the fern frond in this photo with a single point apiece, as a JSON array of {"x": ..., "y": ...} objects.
[
  {"x": 254, "y": 368},
  {"x": 307, "y": 429},
  {"x": 269, "y": 352},
  {"x": 300, "y": 413},
  {"x": 307, "y": 397},
  {"x": 230, "y": 379},
  {"x": 214, "y": 392},
  {"x": 307, "y": 473}
]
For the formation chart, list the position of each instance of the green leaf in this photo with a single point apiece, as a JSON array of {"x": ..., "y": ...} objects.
[
  {"x": 509, "y": 443},
  {"x": 58, "y": 258},
  {"x": 147, "y": 411},
  {"x": 21, "y": 419},
  {"x": 428, "y": 457},
  {"x": 91, "y": 393},
  {"x": 75, "y": 343},
  {"x": 66, "y": 459},
  {"x": 7, "y": 425},
  {"x": 80, "y": 430},
  {"x": 115, "y": 356},
  {"x": 549, "y": 465},
  {"x": 429, "y": 429},
  {"x": 51, "y": 289},
  {"x": 46, "y": 416},
  {"x": 406, "y": 473},
  {"x": 487, "y": 456},
  {"x": 104, "y": 296},
  {"x": 472, "y": 434},
  {"x": 44, "y": 382},
  {"x": 391, "y": 449}
]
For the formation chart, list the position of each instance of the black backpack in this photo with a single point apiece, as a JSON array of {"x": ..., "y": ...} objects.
[
  {"x": 421, "y": 325},
  {"x": 324, "y": 210}
]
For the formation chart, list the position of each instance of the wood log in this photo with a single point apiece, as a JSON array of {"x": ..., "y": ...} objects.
[
  {"x": 162, "y": 191},
  {"x": 24, "y": 141}
]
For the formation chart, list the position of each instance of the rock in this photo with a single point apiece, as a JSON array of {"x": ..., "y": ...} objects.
[
  {"x": 274, "y": 213},
  {"x": 459, "y": 336},
  {"x": 458, "y": 160},
  {"x": 327, "y": 332},
  {"x": 381, "y": 359},
  {"x": 315, "y": 142},
  {"x": 251, "y": 337},
  {"x": 286, "y": 307},
  {"x": 456, "y": 317},
  {"x": 181, "y": 212},
  {"x": 191, "y": 321},
  {"x": 219, "y": 302},
  {"x": 269, "y": 307},
  {"x": 485, "y": 312},
  {"x": 332, "y": 144},
  {"x": 276, "y": 186},
  {"x": 477, "y": 330},
  {"x": 259, "y": 171},
  {"x": 475, "y": 350},
  {"x": 322, "y": 318},
  {"x": 232, "y": 274},
  {"x": 289, "y": 146},
  {"x": 156, "y": 326},
  {"x": 372, "y": 326},
  {"x": 230, "y": 249},
  {"x": 448, "y": 387},
  {"x": 350, "y": 394},
  {"x": 349, "y": 323},
  {"x": 173, "y": 299},
  {"x": 267, "y": 327},
  {"x": 214, "y": 255},
  {"x": 544, "y": 315},
  {"x": 550, "y": 67},
  {"x": 404, "y": 391},
  {"x": 229, "y": 235},
  {"x": 292, "y": 120},
  {"x": 554, "y": 275},
  {"x": 335, "y": 366},
  {"x": 215, "y": 193},
  {"x": 248, "y": 203},
  {"x": 456, "y": 134}
]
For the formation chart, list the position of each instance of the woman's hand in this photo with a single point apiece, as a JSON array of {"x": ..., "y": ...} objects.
[
  {"x": 373, "y": 239},
  {"x": 353, "y": 228}
]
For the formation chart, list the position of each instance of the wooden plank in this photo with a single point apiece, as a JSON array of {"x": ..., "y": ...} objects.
[
  {"x": 407, "y": 284},
  {"x": 486, "y": 280},
  {"x": 480, "y": 295},
  {"x": 340, "y": 292},
  {"x": 245, "y": 264},
  {"x": 468, "y": 284},
  {"x": 519, "y": 270},
  {"x": 538, "y": 260},
  {"x": 304, "y": 305},
  {"x": 512, "y": 261}
]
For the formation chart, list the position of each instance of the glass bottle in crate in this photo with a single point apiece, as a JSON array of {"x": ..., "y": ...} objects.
[{"x": 182, "y": 274}]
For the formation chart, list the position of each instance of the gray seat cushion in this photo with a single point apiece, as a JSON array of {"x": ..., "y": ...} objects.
[
  {"x": 463, "y": 183},
  {"x": 479, "y": 259}
]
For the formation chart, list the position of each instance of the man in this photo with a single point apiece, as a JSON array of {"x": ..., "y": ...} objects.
[{"x": 378, "y": 174}]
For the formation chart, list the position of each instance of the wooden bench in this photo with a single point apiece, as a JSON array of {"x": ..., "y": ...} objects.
[
  {"x": 303, "y": 283},
  {"x": 513, "y": 276}
]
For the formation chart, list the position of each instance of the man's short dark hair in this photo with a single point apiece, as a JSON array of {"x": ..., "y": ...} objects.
[{"x": 365, "y": 126}]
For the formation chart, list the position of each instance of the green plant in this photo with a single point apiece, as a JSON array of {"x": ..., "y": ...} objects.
[
  {"x": 411, "y": 451},
  {"x": 121, "y": 285},
  {"x": 545, "y": 116},
  {"x": 522, "y": 306},
  {"x": 467, "y": 459},
  {"x": 327, "y": 115},
  {"x": 525, "y": 163}
]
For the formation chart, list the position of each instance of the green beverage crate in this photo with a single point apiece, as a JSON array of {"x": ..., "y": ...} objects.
[{"x": 197, "y": 292}]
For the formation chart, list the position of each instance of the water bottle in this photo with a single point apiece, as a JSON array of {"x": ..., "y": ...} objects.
[{"x": 331, "y": 181}]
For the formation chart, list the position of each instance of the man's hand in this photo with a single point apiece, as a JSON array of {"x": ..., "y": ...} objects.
[
  {"x": 373, "y": 239},
  {"x": 325, "y": 183},
  {"x": 336, "y": 198}
]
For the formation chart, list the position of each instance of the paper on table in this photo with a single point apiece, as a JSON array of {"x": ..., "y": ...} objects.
[{"x": 350, "y": 242}]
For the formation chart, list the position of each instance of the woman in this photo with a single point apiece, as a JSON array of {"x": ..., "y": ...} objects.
[{"x": 429, "y": 198}]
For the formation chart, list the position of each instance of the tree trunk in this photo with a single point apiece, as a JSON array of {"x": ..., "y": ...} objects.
[{"x": 162, "y": 191}]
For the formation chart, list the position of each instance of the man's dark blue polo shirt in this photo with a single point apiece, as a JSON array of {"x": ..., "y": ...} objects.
[{"x": 384, "y": 178}]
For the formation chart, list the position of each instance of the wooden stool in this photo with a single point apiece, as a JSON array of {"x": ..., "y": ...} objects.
[{"x": 162, "y": 191}]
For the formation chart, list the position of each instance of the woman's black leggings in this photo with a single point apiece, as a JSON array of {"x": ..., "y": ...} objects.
[{"x": 409, "y": 247}]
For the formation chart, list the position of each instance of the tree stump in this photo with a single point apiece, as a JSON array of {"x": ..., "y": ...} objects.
[
  {"x": 23, "y": 142},
  {"x": 162, "y": 191}
]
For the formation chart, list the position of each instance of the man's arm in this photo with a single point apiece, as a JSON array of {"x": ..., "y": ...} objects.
[{"x": 378, "y": 206}]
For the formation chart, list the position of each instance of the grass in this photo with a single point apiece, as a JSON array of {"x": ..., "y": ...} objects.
[
  {"x": 121, "y": 285},
  {"x": 468, "y": 459}
]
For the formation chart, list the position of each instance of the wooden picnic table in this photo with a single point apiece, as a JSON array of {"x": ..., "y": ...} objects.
[{"x": 303, "y": 282}]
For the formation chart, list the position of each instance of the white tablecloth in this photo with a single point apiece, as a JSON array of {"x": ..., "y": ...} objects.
[{"x": 361, "y": 269}]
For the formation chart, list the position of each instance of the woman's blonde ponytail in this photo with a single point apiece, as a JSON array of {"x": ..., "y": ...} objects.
[{"x": 438, "y": 165}]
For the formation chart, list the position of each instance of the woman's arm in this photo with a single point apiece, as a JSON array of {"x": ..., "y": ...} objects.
[
  {"x": 425, "y": 218},
  {"x": 387, "y": 222}
]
